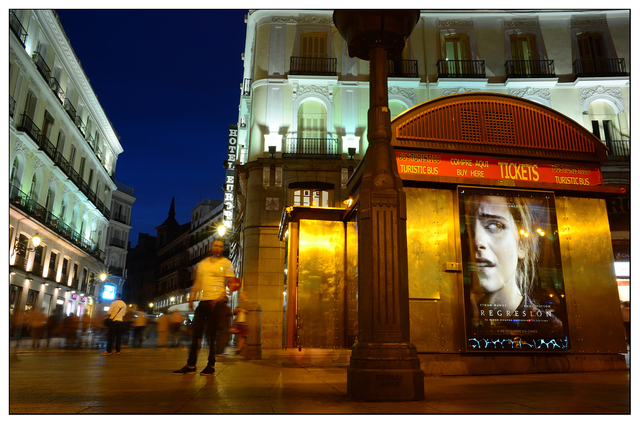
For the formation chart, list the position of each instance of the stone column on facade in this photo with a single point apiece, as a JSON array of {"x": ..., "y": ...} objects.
[{"x": 384, "y": 364}]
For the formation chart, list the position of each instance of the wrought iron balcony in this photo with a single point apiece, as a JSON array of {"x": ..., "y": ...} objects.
[
  {"x": 71, "y": 111},
  {"x": 120, "y": 218},
  {"x": 325, "y": 148},
  {"x": 403, "y": 69},
  {"x": 461, "y": 69},
  {"x": 599, "y": 68},
  {"x": 20, "y": 263},
  {"x": 17, "y": 28},
  {"x": 117, "y": 243},
  {"x": 80, "y": 125},
  {"x": 47, "y": 146},
  {"x": 313, "y": 66},
  {"x": 22, "y": 201},
  {"x": 27, "y": 125},
  {"x": 530, "y": 69},
  {"x": 12, "y": 106},
  {"x": 41, "y": 64},
  {"x": 57, "y": 89},
  {"x": 618, "y": 148}
]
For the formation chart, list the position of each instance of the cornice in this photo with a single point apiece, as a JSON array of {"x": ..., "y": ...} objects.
[
  {"x": 454, "y": 23},
  {"x": 588, "y": 22},
  {"x": 522, "y": 23},
  {"x": 62, "y": 46}
]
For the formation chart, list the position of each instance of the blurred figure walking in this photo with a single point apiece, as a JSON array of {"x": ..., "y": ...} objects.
[
  {"x": 116, "y": 312},
  {"x": 139, "y": 325},
  {"x": 38, "y": 323}
]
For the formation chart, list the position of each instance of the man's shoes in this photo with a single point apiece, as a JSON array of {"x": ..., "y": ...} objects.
[
  {"x": 117, "y": 353},
  {"x": 208, "y": 370},
  {"x": 186, "y": 370},
  {"x": 105, "y": 353}
]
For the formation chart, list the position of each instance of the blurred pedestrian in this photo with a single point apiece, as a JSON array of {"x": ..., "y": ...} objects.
[
  {"x": 71, "y": 325},
  {"x": 239, "y": 327},
  {"x": 53, "y": 327},
  {"x": 176, "y": 327},
  {"x": 211, "y": 277},
  {"x": 116, "y": 312},
  {"x": 162, "y": 328},
  {"x": 139, "y": 325},
  {"x": 38, "y": 323}
]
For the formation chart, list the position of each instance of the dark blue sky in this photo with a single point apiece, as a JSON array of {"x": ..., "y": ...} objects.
[{"x": 169, "y": 81}]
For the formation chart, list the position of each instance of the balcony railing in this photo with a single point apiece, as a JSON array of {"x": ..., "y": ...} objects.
[
  {"x": 71, "y": 111},
  {"x": 20, "y": 263},
  {"x": 403, "y": 69},
  {"x": 27, "y": 125},
  {"x": 530, "y": 69},
  {"x": 57, "y": 89},
  {"x": 25, "y": 203},
  {"x": 41, "y": 64},
  {"x": 117, "y": 243},
  {"x": 461, "y": 69},
  {"x": 313, "y": 66},
  {"x": 618, "y": 148},
  {"x": 120, "y": 218},
  {"x": 12, "y": 106},
  {"x": 327, "y": 148},
  {"x": 599, "y": 68},
  {"x": 17, "y": 28}
]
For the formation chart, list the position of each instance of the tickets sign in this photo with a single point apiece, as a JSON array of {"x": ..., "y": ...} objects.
[{"x": 425, "y": 166}]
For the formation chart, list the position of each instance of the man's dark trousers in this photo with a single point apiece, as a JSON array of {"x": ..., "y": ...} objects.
[{"x": 205, "y": 317}]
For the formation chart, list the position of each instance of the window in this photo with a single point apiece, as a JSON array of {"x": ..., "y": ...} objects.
[
  {"x": 33, "y": 190},
  {"x": 53, "y": 262},
  {"x": 312, "y": 120},
  {"x": 313, "y": 44},
  {"x": 48, "y": 204},
  {"x": 15, "y": 176},
  {"x": 311, "y": 197},
  {"x": 72, "y": 156},
  {"x": 523, "y": 47},
  {"x": 65, "y": 266},
  {"x": 591, "y": 46}
]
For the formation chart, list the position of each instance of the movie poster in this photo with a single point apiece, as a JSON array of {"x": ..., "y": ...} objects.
[{"x": 512, "y": 271}]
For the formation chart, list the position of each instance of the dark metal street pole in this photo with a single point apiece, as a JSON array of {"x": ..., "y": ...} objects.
[{"x": 384, "y": 364}]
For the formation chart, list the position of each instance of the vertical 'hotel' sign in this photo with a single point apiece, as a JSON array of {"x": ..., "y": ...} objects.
[{"x": 232, "y": 149}]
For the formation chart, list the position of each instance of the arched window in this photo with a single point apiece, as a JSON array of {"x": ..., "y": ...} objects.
[
  {"x": 15, "y": 175},
  {"x": 33, "y": 190},
  {"x": 48, "y": 204}
]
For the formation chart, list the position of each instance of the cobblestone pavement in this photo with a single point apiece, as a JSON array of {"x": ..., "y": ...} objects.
[{"x": 311, "y": 381}]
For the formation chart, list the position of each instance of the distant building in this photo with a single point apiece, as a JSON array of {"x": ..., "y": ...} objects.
[
  {"x": 63, "y": 152},
  {"x": 302, "y": 125},
  {"x": 118, "y": 239}
]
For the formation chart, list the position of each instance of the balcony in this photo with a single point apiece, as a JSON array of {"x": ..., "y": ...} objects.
[
  {"x": 313, "y": 66},
  {"x": 117, "y": 243},
  {"x": 618, "y": 148},
  {"x": 20, "y": 263},
  {"x": 12, "y": 106},
  {"x": 71, "y": 111},
  {"x": 22, "y": 201},
  {"x": 120, "y": 218},
  {"x": 599, "y": 68},
  {"x": 461, "y": 69},
  {"x": 57, "y": 89},
  {"x": 17, "y": 28},
  {"x": 41, "y": 64},
  {"x": 403, "y": 69},
  {"x": 530, "y": 69},
  {"x": 319, "y": 148},
  {"x": 27, "y": 125}
]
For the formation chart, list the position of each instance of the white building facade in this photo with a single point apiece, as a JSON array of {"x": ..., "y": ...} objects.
[
  {"x": 62, "y": 158},
  {"x": 302, "y": 126}
]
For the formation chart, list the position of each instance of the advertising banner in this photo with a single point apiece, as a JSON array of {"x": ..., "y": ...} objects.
[
  {"x": 425, "y": 166},
  {"x": 512, "y": 271}
]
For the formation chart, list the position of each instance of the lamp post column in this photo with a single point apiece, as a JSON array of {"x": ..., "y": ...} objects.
[{"x": 384, "y": 364}]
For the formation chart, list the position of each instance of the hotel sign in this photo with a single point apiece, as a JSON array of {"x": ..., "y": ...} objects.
[
  {"x": 426, "y": 166},
  {"x": 232, "y": 154}
]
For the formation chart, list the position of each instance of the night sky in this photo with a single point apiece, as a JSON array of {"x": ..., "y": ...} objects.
[{"x": 169, "y": 81}]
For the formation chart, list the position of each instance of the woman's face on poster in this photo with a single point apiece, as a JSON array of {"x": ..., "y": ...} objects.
[{"x": 494, "y": 243}]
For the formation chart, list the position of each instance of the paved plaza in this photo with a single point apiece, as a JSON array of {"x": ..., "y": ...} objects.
[{"x": 309, "y": 381}]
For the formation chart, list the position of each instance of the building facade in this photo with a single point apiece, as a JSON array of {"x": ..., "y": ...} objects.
[
  {"x": 62, "y": 155},
  {"x": 117, "y": 241},
  {"x": 302, "y": 126}
]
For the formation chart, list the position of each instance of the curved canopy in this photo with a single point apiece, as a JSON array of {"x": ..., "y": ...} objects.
[{"x": 495, "y": 124}]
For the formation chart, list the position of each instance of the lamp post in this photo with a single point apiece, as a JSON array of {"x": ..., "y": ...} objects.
[{"x": 384, "y": 364}]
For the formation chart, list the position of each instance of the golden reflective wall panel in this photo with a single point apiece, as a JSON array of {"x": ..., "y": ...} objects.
[
  {"x": 593, "y": 304},
  {"x": 436, "y": 303},
  {"x": 321, "y": 289}
]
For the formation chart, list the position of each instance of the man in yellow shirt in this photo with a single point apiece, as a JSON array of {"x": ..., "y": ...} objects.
[{"x": 211, "y": 278}]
